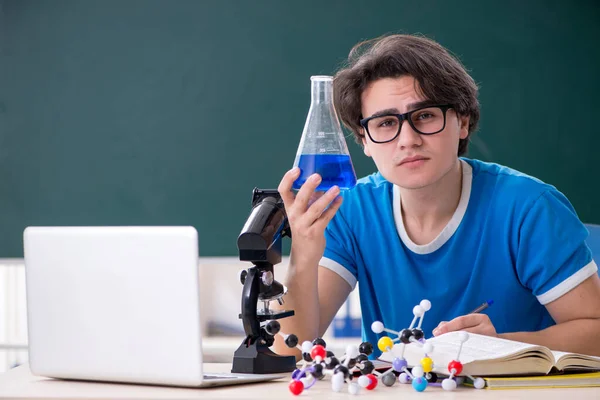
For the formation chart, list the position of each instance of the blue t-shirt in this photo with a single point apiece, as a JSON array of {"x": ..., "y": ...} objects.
[{"x": 512, "y": 239}]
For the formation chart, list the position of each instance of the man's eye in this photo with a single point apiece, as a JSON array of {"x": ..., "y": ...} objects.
[
  {"x": 386, "y": 123},
  {"x": 425, "y": 115}
]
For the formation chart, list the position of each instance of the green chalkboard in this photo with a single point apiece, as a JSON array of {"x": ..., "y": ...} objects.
[{"x": 170, "y": 112}]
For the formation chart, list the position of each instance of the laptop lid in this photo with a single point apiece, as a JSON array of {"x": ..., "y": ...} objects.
[{"x": 115, "y": 304}]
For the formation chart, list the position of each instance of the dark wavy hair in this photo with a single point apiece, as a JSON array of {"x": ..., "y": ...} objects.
[{"x": 442, "y": 78}]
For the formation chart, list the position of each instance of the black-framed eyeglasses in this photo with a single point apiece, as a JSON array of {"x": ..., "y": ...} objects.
[{"x": 427, "y": 120}]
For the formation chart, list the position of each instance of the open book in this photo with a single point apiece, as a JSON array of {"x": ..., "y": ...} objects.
[{"x": 488, "y": 356}]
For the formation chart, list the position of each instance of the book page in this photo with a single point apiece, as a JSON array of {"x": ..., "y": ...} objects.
[
  {"x": 478, "y": 348},
  {"x": 558, "y": 355},
  {"x": 564, "y": 360}
]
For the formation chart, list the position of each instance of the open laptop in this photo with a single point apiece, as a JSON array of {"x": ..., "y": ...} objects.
[{"x": 117, "y": 304}]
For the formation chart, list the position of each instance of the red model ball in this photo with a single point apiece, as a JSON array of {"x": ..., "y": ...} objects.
[
  {"x": 456, "y": 365},
  {"x": 373, "y": 383},
  {"x": 296, "y": 387},
  {"x": 318, "y": 351}
]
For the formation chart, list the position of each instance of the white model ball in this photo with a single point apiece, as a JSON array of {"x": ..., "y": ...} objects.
[
  {"x": 417, "y": 371},
  {"x": 479, "y": 383},
  {"x": 403, "y": 378},
  {"x": 364, "y": 381},
  {"x": 426, "y": 304},
  {"x": 463, "y": 336},
  {"x": 448, "y": 384},
  {"x": 338, "y": 377},
  {"x": 418, "y": 311},
  {"x": 336, "y": 386},
  {"x": 353, "y": 388},
  {"x": 307, "y": 346},
  {"x": 377, "y": 327},
  {"x": 428, "y": 348},
  {"x": 352, "y": 351},
  {"x": 337, "y": 382}
]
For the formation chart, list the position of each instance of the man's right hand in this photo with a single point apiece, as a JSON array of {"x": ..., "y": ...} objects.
[{"x": 308, "y": 215}]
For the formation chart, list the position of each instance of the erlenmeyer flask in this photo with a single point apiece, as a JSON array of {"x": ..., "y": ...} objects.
[{"x": 323, "y": 148}]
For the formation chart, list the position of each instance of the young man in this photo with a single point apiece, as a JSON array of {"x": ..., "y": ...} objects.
[{"x": 431, "y": 225}]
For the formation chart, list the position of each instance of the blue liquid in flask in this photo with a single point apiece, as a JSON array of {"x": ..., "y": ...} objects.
[{"x": 335, "y": 169}]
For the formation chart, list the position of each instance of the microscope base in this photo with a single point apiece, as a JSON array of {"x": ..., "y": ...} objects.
[{"x": 259, "y": 359}]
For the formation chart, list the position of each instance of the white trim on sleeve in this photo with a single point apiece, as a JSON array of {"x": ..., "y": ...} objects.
[
  {"x": 339, "y": 269},
  {"x": 568, "y": 284}
]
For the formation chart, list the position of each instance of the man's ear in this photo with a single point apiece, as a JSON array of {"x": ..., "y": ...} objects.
[
  {"x": 464, "y": 126},
  {"x": 364, "y": 143}
]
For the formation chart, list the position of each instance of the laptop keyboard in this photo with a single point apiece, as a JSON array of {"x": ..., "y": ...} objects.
[{"x": 213, "y": 377}]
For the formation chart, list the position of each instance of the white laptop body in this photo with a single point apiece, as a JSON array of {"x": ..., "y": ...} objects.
[{"x": 118, "y": 304}]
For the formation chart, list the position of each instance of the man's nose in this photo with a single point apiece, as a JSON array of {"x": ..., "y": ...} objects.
[{"x": 408, "y": 136}]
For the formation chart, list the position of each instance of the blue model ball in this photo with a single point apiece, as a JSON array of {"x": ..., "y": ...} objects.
[
  {"x": 399, "y": 364},
  {"x": 419, "y": 384}
]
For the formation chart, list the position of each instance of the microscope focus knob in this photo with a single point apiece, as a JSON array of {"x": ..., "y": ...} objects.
[
  {"x": 273, "y": 328},
  {"x": 267, "y": 278},
  {"x": 242, "y": 275}
]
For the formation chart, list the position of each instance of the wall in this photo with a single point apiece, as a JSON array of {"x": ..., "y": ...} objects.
[{"x": 170, "y": 113}]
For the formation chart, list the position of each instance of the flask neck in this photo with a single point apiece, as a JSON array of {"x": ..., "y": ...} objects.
[{"x": 321, "y": 91}]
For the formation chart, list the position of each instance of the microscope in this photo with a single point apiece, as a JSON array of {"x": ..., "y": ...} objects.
[{"x": 260, "y": 243}]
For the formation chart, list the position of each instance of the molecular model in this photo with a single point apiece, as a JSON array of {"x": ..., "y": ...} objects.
[
  {"x": 318, "y": 363},
  {"x": 455, "y": 368},
  {"x": 420, "y": 375}
]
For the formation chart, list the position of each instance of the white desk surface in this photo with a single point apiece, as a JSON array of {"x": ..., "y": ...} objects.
[{"x": 18, "y": 383}]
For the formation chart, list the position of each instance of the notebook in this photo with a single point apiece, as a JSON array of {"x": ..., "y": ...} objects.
[
  {"x": 488, "y": 356},
  {"x": 118, "y": 304},
  {"x": 590, "y": 379}
]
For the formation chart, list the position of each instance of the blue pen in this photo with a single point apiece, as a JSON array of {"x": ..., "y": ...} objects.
[{"x": 482, "y": 307}]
